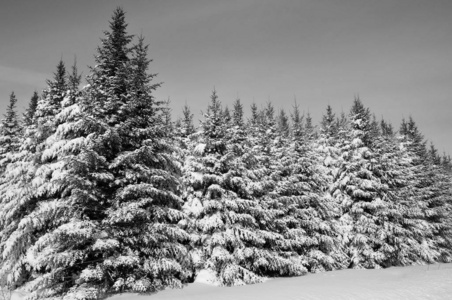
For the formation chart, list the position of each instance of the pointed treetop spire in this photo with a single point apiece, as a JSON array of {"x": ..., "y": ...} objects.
[
  {"x": 386, "y": 128},
  {"x": 32, "y": 106},
  {"x": 187, "y": 121},
  {"x": 237, "y": 114},
  {"x": 309, "y": 126},
  {"x": 114, "y": 51},
  {"x": 140, "y": 61},
  {"x": 59, "y": 80},
  {"x": 11, "y": 108},
  {"x": 283, "y": 123},
  {"x": 226, "y": 114},
  {"x": 10, "y": 129},
  {"x": 74, "y": 78},
  {"x": 329, "y": 124},
  {"x": 269, "y": 113},
  {"x": 254, "y": 120}
]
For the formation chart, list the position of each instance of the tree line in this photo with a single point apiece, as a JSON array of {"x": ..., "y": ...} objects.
[{"x": 101, "y": 192}]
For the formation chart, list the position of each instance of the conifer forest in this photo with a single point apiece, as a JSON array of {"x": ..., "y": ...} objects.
[{"x": 102, "y": 192}]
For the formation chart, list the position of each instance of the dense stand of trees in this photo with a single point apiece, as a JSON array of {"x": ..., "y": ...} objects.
[{"x": 101, "y": 192}]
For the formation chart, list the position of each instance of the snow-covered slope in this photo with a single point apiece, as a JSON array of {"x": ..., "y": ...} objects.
[{"x": 416, "y": 282}]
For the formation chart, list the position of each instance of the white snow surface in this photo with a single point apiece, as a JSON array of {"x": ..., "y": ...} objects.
[
  {"x": 206, "y": 276},
  {"x": 415, "y": 282}
]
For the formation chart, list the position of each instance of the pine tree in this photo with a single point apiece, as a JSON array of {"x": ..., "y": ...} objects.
[
  {"x": 187, "y": 127},
  {"x": 221, "y": 199},
  {"x": 446, "y": 162},
  {"x": 433, "y": 155},
  {"x": 429, "y": 187},
  {"x": 386, "y": 128},
  {"x": 400, "y": 219},
  {"x": 146, "y": 208},
  {"x": 297, "y": 122},
  {"x": 59, "y": 80},
  {"x": 309, "y": 128},
  {"x": 360, "y": 122},
  {"x": 343, "y": 125},
  {"x": 74, "y": 78},
  {"x": 254, "y": 119},
  {"x": 226, "y": 115},
  {"x": 374, "y": 131},
  {"x": 10, "y": 132},
  {"x": 269, "y": 115},
  {"x": 307, "y": 211},
  {"x": 417, "y": 143},
  {"x": 30, "y": 112},
  {"x": 111, "y": 74},
  {"x": 237, "y": 115},
  {"x": 328, "y": 124},
  {"x": 360, "y": 191},
  {"x": 167, "y": 120},
  {"x": 283, "y": 123},
  {"x": 50, "y": 104},
  {"x": 29, "y": 179},
  {"x": 106, "y": 217}
]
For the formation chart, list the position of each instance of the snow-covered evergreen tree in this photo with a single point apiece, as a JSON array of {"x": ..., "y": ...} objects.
[
  {"x": 28, "y": 180},
  {"x": 10, "y": 133},
  {"x": 231, "y": 224},
  {"x": 359, "y": 190},
  {"x": 106, "y": 219},
  {"x": 430, "y": 190},
  {"x": 300, "y": 191},
  {"x": 401, "y": 231}
]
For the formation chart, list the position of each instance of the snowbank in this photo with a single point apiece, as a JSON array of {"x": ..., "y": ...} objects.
[{"x": 416, "y": 282}]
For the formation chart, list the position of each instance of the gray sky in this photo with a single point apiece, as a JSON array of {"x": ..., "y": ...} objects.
[{"x": 396, "y": 54}]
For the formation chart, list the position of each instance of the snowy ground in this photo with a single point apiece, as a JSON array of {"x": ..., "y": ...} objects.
[{"x": 417, "y": 282}]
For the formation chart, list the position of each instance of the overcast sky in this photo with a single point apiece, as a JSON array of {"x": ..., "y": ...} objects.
[{"x": 395, "y": 54}]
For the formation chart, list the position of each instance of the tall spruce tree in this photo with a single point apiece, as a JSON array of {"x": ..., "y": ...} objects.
[{"x": 107, "y": 216}]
